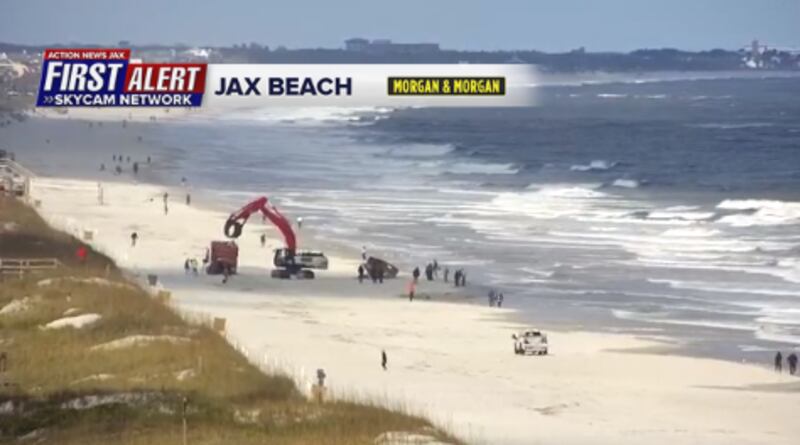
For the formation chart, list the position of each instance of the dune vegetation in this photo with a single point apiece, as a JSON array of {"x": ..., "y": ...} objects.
[{"x": 92, "y": 358}]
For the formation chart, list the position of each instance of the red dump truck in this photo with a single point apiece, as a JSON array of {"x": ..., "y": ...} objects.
[{"x": 222, "y": 255}]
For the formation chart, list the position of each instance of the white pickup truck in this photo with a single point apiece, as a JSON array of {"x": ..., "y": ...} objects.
[{"x": 530, "y": 342}]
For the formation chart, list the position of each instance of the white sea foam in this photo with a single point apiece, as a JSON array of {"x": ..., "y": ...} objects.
[
  {"x": 763, "y": 212},
  {"x": 596, "y": 165},
  {"x": 626, "y": 183},
  {"x": 690, "y": 232},
  {"x": 690, "y": 216}
]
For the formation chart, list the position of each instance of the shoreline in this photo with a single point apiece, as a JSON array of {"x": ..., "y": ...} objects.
[
  {"x": 449, "y": 356},
  {"x": 167, "y": 169}
]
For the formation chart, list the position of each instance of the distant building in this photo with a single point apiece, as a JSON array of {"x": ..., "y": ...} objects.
[
  {"x": 356, "y": 44},
  {"x": 386, "y": 47},
  {"x": 155, "y": 55}
]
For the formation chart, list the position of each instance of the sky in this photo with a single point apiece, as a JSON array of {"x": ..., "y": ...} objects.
[{"x": 548, "y": 25}]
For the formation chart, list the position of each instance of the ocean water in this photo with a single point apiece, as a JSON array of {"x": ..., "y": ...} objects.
[{"x": 666, "y": 208}]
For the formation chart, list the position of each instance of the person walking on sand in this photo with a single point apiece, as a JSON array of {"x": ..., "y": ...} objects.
[
  {"x": 415, "y": 274},
  {"x": 412, "y": 287},
  {"x": 360, "y": 273},
  {"x": 135, "y": 168},
  {"x": 384, "y": 360},
  {"x": 166, "y": 203},
  {"x": 500, "y": 300},
  {"x": 791, "y": 360},
  {"x": 134, "y": 237},
  {"x": 779, "y": 362},
  {"x": 188, "y": 199}
]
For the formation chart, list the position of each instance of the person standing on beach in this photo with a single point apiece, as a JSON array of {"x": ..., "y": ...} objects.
[
  {"x": 491, "y": 297},
  {"x": 263, "y": 239},
  {"x": 188, "y": 199},
  {"x": 166, "y": 203},
  {"x": 500, "y": 300},
  {"x": 360, "y": 273},
  {"x": 412, "y": 287},
  {"x": 463, "y": 278},
  {"x": 134, "y": 237},
  {"x": 225, "y": 273},
  {"x": 299, "y": 222},
  {"x": 100, "y": 193},
  {"x": 446, "y": 273},
  {"x": 135, "y": 168},
  {"x": 779, "y": 362},
  {"x": 81, "y": 253},
  {"x": 384, "y": 360},
  {"x": 792, "y": 361},
  {"x": 415, "y": 274},
  {"x": 457, "y": 278},
  {"x": 364, "y": 253},
  {"x": 186, "y": 267}
]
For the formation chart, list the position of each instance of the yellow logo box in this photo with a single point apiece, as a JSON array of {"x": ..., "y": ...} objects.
[{"x": 447, "y": 86}]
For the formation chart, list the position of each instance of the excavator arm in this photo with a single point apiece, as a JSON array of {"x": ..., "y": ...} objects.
[{"x": 237, "y": 220}]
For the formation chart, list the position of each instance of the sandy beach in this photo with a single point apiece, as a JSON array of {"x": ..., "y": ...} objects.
[{"x": 446, "y": 359}]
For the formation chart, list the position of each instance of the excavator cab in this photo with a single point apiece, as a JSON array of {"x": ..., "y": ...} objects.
[{"x": 297, "y": 264}]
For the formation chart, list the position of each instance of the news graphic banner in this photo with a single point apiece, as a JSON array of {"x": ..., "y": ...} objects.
[{"x": 84, "y": 77}]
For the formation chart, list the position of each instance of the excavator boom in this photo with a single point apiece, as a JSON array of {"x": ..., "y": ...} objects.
[{"x": 237, "y": 220}]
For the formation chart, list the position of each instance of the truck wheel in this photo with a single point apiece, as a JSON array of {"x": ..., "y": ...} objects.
[
  {"x": 280, "y": 273},
  {"x": 306, "y": 274}
]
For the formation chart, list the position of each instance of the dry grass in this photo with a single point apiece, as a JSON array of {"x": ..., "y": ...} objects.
[{"x": 230, "y": 401}]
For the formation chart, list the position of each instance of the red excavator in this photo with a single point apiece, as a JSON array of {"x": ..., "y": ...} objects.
[{"x": 288, "y": 261}]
